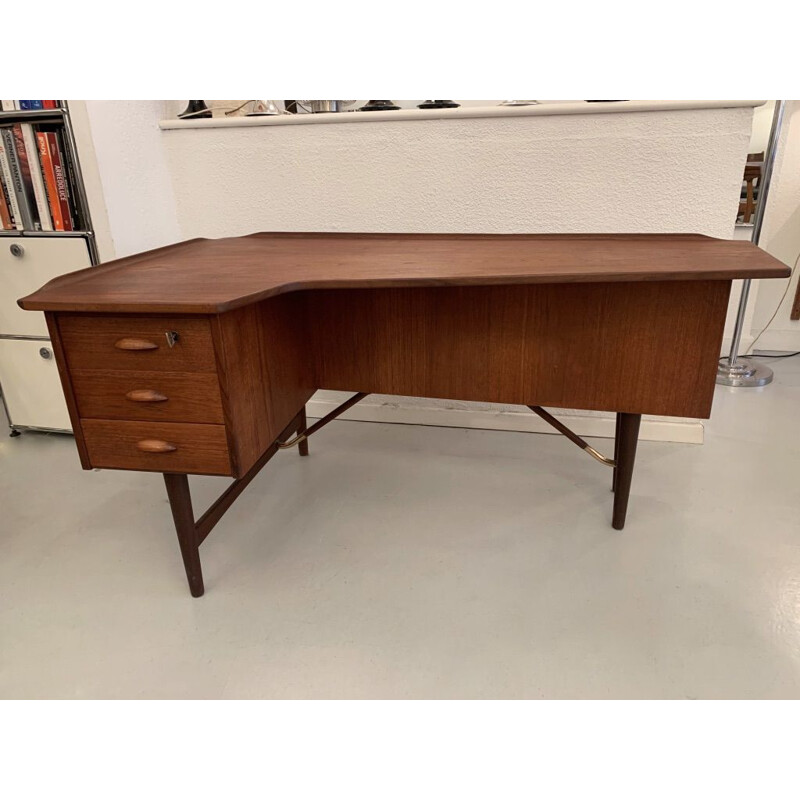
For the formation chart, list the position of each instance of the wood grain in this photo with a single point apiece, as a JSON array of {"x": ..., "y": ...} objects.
[
  {"x": 216, "y": 275},
  {"x": 135, "y": 344},
  {"x": 189, "y": 396},
  {"x": 266, "y": 372},
  {"x": 145, "y": 396},
  {"x": 156, "y": 446},
  {"x": 630, "y": 347},
  {"x": 90, "y": 343},
  {"x": 199, "y": 449},
  {"x": 66, "y": 385}
]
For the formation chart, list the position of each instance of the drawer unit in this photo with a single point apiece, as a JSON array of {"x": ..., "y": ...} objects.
[
  {"x": 148, "y": 395},
  {"x": 173, "y": 344},
  {"x": 25, "y": 264},
  {"x": 31, "y": 390},
  {"x": 157, "y": 446}
]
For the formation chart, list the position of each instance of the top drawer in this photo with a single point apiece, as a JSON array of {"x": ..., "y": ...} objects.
[
  {"x": 37, "y": 260},
  {"x": 180, "y": 344}
]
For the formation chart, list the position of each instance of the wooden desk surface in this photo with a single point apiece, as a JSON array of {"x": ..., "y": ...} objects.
[{"x": 209, "y": 276}]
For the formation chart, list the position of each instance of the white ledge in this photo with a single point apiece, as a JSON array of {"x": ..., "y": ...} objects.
[{"x": 543, "y": 109}]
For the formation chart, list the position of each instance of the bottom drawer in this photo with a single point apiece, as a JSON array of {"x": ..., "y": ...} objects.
[
  {"x": 31, "y": 386},
  {"x": 157, "y": 446}
]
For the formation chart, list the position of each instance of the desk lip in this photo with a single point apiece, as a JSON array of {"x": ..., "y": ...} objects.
[
  {"x": 332, "y": 285},
  {"x": 38, "y": 300}
]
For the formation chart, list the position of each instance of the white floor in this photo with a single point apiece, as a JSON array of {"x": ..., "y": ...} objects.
[{"x": 411, "y": 562}]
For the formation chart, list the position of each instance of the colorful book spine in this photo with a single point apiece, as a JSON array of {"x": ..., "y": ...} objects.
[
  {"x": 39, "y": 192},
  {"x": 49, "y": 181},
  {"x": 27, "y": 178},
  {"x": 5, "y": 167},
  {"x": 5, "y": 210},
  {"x": 49, "y": 104},
  {"x": 71, "y": 176},
  {"x": 23, "y": 215},
  {"x": 36, "y": 105},
  {"x": 62, "y": 188}
]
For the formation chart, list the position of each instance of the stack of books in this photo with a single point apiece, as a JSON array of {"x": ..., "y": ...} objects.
[
  {"x": 28, "y": 105},
  {"x": 37, "y": 178}
]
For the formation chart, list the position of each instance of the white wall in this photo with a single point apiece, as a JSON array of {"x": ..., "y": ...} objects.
[
  {"x": 780, "y": 237},
  {"x": 136, "y": 184},
  {"x": 762, "y": 125},
  {"x": 669, "y": 171}
]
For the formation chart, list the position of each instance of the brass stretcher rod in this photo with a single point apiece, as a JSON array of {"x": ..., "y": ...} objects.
[
  {"x": 547, "y": 417},
  {"x": 573, "y": 437},
  {"x": 324, "y": 421}
]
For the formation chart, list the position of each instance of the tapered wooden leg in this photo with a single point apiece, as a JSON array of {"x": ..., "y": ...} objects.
[
  {"x": 301, "y": 428},
  {"x": 180, "y": 501},
  {"x": 627, "y": 439},
  {"x": 616, "y": 455}
]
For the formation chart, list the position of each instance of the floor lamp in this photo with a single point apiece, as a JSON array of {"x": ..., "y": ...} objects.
[{"x": 736, "y": 371}]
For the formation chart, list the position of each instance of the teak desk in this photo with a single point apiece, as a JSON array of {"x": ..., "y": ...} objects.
[{"x": 199, "y": 358}]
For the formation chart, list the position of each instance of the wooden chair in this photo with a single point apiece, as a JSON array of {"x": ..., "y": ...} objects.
[{"x": 752, "y": 176}]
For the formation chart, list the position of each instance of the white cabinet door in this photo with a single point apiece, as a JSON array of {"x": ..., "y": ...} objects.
[
  {"x": 37, "y": 260},
  {"x": 31, "y": 386}
]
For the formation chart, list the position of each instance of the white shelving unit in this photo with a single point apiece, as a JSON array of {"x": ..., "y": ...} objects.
[{"x": 29, "y": 384}]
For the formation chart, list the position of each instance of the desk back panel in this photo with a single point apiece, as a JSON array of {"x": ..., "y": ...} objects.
[{"x": 638, "y": 347}]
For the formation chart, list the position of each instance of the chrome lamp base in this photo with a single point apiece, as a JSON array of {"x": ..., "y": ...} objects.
[{"x": 744, "y": 372}]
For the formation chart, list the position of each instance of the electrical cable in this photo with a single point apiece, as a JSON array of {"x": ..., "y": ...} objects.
[{"x": 780, "y": 303}]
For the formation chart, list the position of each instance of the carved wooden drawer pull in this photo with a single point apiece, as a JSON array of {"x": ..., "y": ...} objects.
[
  {"x": 155, "y": 446},
  {"x": 146, "y": 396},
  {"x": 135, "y": 344}
]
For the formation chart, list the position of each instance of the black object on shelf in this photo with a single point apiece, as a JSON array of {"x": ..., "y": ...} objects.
[
  {"x": 439, "y": 104},
  {"x": 197, "y": 109},
  {"x": 380, "y": 105}
]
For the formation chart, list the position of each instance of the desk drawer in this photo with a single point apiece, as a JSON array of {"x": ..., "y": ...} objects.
[
  {"x": 137, "y": 343},
  {"x": 145, "y": 395},
  {"x": 157, "y": 446}
]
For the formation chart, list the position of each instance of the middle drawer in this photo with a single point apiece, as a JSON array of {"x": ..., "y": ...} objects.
[{"x": 145, "y": 395}]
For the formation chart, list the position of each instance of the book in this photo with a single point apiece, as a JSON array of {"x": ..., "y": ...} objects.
[
  {"x": 49, "y": 180},
  {"x": 26, "y": 175},
  {"x": 71, "y": 177},
  {"x": 49, "y": 104},
  {"x": 9, "y": 105},
  {"x": 62, "y": 189},
  {"x": 36, "y": 105},
  {"x": 8, "y": 183},
  {"x": 5, "y": 210},
  {"x": 17, "y": 185},
  {"x": 37, "y": 179}
]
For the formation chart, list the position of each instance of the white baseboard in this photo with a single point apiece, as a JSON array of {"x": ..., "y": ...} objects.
[
  {"x": 653, "y": 429},
  {"x": 784, "y": 341}
]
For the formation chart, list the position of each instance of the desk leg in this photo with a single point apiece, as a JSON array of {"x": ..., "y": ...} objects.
[
  {"x": 302, "y": 446},
  {"x": 180, "y": 501},
  {"x": 616, "y": 454},
  {"x": 627, "y": 438}
]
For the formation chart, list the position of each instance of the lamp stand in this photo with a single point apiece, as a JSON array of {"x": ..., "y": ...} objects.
[{"x": 735, "y": 371}]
